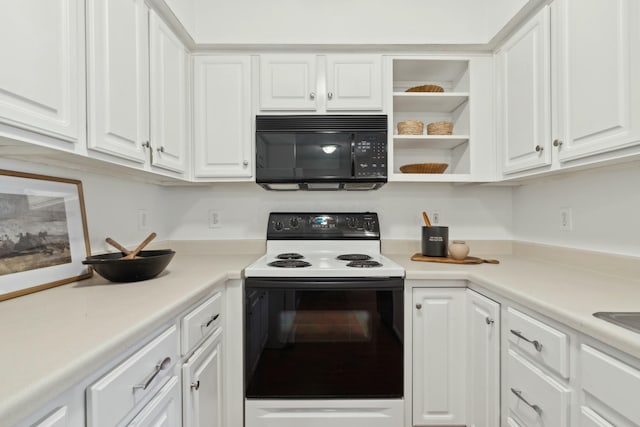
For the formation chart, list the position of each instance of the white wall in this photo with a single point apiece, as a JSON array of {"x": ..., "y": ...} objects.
[
  {"x": 111, "y": 204},
  {"x": 471, "y": 212},
  {"x": 500, "y": 12},
  {"x": 605, "y": 206},
  {"x": 342, "y": 22}
]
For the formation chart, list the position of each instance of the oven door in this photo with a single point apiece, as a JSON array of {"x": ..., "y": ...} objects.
[{"x": 323, "y": 338}]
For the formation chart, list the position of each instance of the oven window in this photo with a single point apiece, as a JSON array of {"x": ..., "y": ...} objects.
[
  {"x": 303, "y": 154},
  {"x": 303, "y": 343}
]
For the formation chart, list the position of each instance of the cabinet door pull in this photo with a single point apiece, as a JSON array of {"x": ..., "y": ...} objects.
[
  {"x": 160, "y": 149},
  {"x": 159, "y": 367},
  {"x": 539, "y": 148},
  {"x": 146, "y": 144},
  {"x": 518, "y": 394},
  {"x": 489, "y": 321},
  {"x": 418, "y": 306},
  {"x": 245, "y": 163},
  {"x": 208, "y": 322},
  {"x": 330, "y": 95},
  {"x": 195, "y": 385},
  {"x": 312, "y": 95},
  {"x": 557, "y": 142},
  {"x": 535, "y": 343}
]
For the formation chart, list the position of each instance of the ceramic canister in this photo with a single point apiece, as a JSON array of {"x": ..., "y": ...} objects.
[{"x": 435, "y": 241}]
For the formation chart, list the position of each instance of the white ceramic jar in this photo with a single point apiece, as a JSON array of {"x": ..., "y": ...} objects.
[{"x": 458, "y": 249}]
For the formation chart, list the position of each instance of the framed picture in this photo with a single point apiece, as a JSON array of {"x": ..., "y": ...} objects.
[{"x": 43, "y": 233}]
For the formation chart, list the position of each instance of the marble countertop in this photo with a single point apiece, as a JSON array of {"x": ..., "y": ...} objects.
[{"x": 55, "y": 338}]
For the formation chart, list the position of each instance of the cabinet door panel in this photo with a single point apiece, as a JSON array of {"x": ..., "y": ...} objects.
[
  {"x": 223, "y": 137},
  {"x": 483, "y": 357},
  {"x": 288, "y": 82},
  {"x": 202, "y": 387},
  {"x": 524, "y": 100},
  {"x": 163, "y": 410},
  {"x": 168, "y": 60},
  {"x": 118, "y": 73},
  {"x": 598, "y": 61},
  {"x": 354, "y": 82},
  {"x": 41, "y": 74},
  {"x": 439, "y": 368}
]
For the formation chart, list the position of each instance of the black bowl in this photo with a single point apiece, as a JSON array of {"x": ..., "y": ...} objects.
[{"x": 112, "y": 267}]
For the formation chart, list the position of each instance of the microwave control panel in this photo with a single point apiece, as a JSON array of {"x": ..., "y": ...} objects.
[{"x": 370, "y": 155}]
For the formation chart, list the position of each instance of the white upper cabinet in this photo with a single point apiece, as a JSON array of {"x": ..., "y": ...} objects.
[
  {"x": 319, "y": 83},
  {"x": 168, "y": 63},
  {"x": 596, "y": 71},
  {"x": 42, "y": 71},
  {"x": 288, "y": 82},
  {"x": 524, "y": 91},
  {"x": 223, "y": 137},
  {"x": 118, "y": 78},
  {"x": 354, "y": 82}
]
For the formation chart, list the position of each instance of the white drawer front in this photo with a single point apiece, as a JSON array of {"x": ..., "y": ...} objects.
[
  {"x": 611, "y": 381},
  {"x": 546, "y": 345},
  {"x": 512, "y": 423},
  {"x": 528, "y": 387},
  {"x": 200, "y": 322},
  {"x": 163, "y": 410},
  {"x": 119, "y": 391},
  {"x": 588, "y": 418}
]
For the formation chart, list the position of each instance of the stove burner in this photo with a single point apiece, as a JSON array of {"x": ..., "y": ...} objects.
[
  {"x": 354, "y": 257},
  {"x": 289, "y": 255},
  {"x": 364, "y": 264},
  {"x": 289, "y": 263}
]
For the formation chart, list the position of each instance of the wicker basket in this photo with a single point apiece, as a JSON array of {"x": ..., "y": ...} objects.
[
  {"x": 424, "y": 168},
  {"x": 411, "y": 127},
  {"x": 426, "y": 88},
  {"x": 440, "y": 128}
]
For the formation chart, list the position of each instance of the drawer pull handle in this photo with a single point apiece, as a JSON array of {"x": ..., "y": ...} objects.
[
  {"x": 489, "y": 321},
  {"x": 195, "y": 385},
  {"x": 535, "y": 343},
  {"x": 159, "y": 367},
  {"x": 518, "y": 394},
  {"x": 213, "y": 318}
]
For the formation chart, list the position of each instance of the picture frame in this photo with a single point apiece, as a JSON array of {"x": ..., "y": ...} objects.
[{"x": 43, "y": 233}]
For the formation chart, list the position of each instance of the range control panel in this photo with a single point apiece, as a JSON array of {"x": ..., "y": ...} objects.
[
  {"x": 318, "y": 226},
  {"x": 370, "y": 154}
]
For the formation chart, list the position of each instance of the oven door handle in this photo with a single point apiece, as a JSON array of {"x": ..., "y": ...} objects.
[{"x": 324, "y": 284}]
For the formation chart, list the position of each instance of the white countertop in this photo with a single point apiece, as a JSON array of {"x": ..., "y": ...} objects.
[{"x": 54, "y": 338}]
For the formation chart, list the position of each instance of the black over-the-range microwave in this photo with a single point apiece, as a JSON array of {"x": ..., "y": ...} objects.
[{"x": 321, "y": 152}]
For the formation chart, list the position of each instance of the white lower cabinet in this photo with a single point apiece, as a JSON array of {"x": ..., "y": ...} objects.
[
  {"x": 163, "y": 410},
  {"x": 123, "y": 390},
  {"x": 456, "y": 339},
  {"x": 202, "y": 384}
]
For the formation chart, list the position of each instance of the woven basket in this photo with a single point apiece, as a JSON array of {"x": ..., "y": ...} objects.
[
  {"x": 426, "y": 88},
  {"x": 424, "y": 168},
  {"x": 440, "y": 128},
  {"x": 411, "y": 127}
]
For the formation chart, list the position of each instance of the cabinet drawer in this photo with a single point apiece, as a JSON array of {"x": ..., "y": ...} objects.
[
  {"x": 611, "y": 381},
  {"x": 533, "y": 397},
  {"x": 128, "y": 384},
  {"x": 546, "y": 345},
  {"x": 163, "y": 410},
  {"x": 200, "y": 322},
  {"x": 588, "y": 418}
]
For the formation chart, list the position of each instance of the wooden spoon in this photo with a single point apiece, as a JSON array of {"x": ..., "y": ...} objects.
[
  {"x": 144, "y": 243},
  {"x": 117, "y": 245},
  {"x": 426, "y": 219}
]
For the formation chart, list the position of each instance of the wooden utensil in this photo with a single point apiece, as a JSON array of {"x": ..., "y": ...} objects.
[
  {"x": 144, "y": 243},
  {"x": 426, "y": 219},
  {"x": 117, "y": 245},
  {"x": 449, "y": 260}
]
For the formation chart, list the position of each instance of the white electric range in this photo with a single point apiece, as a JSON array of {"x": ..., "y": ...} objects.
[{"x": 324, "y": 325}]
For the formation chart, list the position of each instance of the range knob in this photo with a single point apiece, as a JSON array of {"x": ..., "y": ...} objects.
[
  {"x": 351, "y": 222},
  {"x": 278, "y": 226},
  {"x": 294, "y": 223},
  {"x": 368, "y": 225}
]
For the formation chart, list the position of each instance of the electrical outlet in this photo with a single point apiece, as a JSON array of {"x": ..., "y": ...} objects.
[
  {"x": 143, "y": 219},
  {"x": 214, "y": 219},
  {"x": 566, "y": 219},
  {"x": 435, "y": 217}
]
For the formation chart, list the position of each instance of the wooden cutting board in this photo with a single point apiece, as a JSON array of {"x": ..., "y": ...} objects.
[{"x": 449, "y": 260}]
